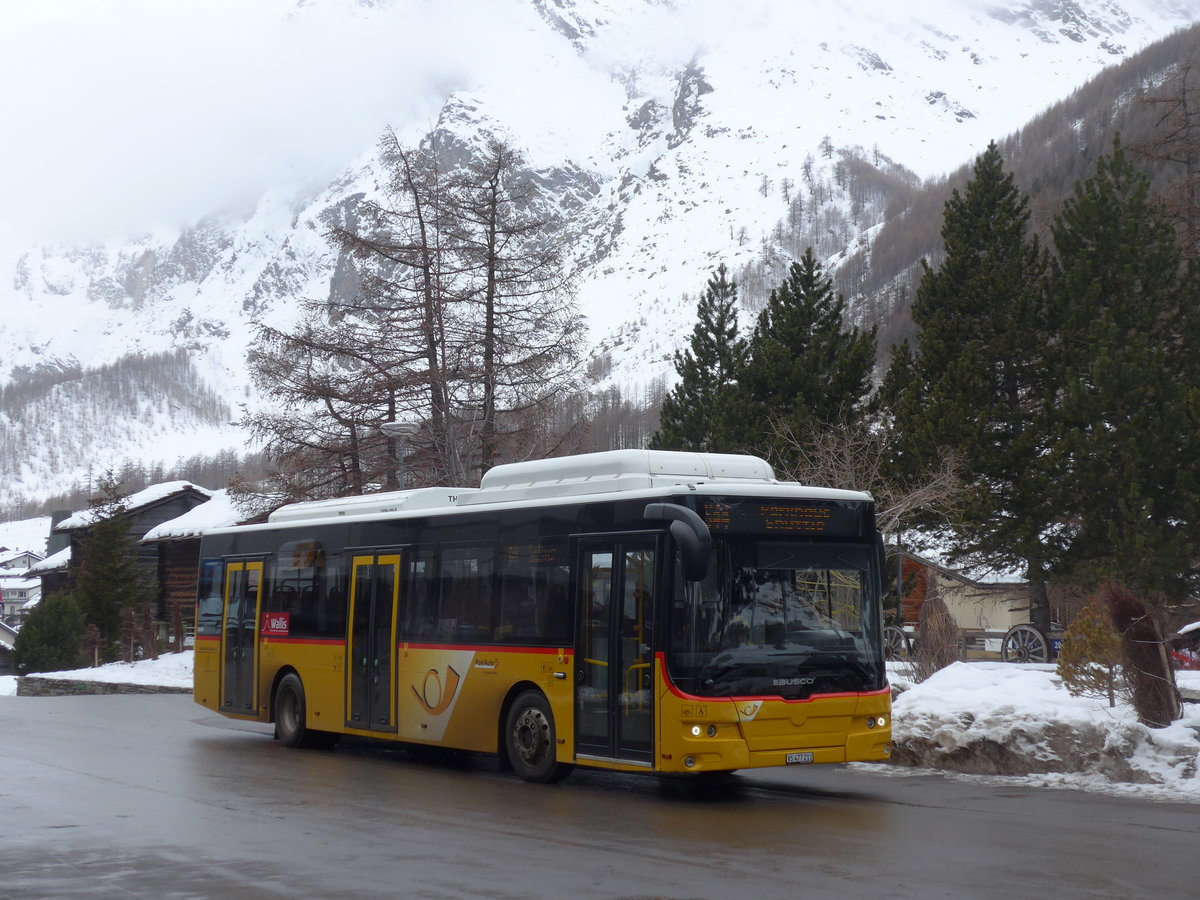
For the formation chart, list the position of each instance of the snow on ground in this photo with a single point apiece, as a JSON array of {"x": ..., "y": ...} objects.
[
  {"x": 1020, "y": 715},
  {"x": 169, "y": 670},
  {"x": 964, "y": 705}
]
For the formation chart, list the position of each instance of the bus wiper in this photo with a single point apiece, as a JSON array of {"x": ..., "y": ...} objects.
[{"x": 856, "y": 664}]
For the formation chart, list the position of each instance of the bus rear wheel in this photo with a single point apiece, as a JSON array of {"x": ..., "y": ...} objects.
[
  {"x": 290, "y": 729},
  {"x": 529, "y": 740}
]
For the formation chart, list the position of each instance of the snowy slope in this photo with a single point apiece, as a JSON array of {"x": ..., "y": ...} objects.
[
  {"x": 676, "y": 135},
  {"x": 26, "y": 534}
]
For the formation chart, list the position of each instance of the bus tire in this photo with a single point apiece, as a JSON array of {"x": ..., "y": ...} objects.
[
  {"x": 289, "y": 707},
  {"x": 529, "y": 740}
]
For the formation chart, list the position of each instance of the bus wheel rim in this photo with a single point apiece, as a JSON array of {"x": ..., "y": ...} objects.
[{"x": 531, "y": 735}]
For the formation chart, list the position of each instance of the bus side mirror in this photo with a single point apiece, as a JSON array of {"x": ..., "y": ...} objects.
[{"x": 691, "y": 536}]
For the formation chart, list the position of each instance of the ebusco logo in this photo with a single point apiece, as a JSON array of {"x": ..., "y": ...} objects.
[{"x": 435, "y": 696}]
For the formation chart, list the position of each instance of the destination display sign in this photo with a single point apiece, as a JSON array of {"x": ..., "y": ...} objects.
[{"x": 748, "y": 516}]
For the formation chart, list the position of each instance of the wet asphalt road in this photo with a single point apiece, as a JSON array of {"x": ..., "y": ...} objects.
[{"x": 152, "y": 796}]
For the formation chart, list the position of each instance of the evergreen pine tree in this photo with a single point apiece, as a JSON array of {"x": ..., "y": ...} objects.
[
  {"x": 1092, "y": 652},
  {"x": 976, "y": 385},
  {"x": 50, "y": 638},
  {"x": 110, "y": 576},
  {"x": 805, "y": 369},
  {"x": 1130, "y": 360},
  {"x": 696, "y": 413}
]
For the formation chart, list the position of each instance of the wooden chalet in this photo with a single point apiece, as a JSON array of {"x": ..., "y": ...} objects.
[
  {"x": 145, "y": 510},
  {"x": 176, "y": 546},
  {"x": 983, "y": 608},
  {"x": 8, "y": 641}
]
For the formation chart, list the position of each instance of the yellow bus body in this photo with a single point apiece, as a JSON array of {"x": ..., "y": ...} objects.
[{"x": 455, "y": 697}]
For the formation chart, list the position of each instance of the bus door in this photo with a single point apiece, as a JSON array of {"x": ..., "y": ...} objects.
[
  {"x": 371, "y": 669},
  {"x": 239, "y": 638},
  {"x": 614, "y": 685}
]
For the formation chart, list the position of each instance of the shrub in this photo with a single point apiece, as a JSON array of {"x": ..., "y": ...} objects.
[
  {"x": 937, "y": 644},
  {"x": 1089, "y": 662},
  {"x": 49, "y": 641}
]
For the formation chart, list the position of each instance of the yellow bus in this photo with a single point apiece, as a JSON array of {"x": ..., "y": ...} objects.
[{"x": 633, "y": 610}]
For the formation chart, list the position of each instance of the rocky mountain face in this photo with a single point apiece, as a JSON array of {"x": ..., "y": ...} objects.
[{"x": 677, "y": 136}]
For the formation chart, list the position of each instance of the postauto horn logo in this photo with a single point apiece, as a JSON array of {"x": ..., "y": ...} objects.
[{"x": 434, "y": 697}]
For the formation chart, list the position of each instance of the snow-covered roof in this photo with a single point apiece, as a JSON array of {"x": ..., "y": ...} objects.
[
  {"x": 216, "y": 512},
  {"x": 144, "y": 497},
  {"x": 977, "y": 575},
  {"x": 55, "y": 562},
  {"x": 10, "y": 557},
  {"x": 15, "y": 581}
]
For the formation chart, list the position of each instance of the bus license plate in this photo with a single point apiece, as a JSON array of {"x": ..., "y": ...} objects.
[{"x": 793, "y": 758}]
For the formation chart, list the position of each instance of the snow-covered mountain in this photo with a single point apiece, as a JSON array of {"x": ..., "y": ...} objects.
[{"x": 673, "y": 135}]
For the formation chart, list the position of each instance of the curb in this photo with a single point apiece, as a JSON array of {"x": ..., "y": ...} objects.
[{"x": 33, "y": 686}]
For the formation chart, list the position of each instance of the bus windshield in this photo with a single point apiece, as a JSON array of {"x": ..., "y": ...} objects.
[{"x": 778, "y": 618}]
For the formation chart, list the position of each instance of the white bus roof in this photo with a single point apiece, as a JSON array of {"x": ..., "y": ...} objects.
[
  {"x": 552, "y": 481},
  {"x": 614, "y": 471},
  {"x": 368, "y": 504}
]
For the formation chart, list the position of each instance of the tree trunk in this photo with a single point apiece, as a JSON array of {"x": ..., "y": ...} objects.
[{"x": 1147, "y": 665}]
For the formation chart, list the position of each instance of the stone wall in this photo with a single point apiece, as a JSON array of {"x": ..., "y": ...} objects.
[{"x": 33, "y": 686}]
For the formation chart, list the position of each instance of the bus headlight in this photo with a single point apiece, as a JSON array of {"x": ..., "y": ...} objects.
[{"x": 695, "y": 731}]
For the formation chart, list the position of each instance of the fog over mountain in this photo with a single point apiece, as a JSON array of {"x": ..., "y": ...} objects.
[{"x": 175, "y": 167}]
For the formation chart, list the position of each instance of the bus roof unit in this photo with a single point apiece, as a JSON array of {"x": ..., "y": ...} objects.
[
  {"x": 369, "y": 504},
  {"x": 614, "y": 471}
]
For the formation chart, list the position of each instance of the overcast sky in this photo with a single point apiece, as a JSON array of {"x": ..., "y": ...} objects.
[{"x": 125, "y": 115}]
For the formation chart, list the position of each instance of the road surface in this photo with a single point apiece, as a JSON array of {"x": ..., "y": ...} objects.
[{"x": 153, "y": 796}]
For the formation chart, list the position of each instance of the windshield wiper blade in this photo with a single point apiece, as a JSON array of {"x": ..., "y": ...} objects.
[{"x": 856, "y": 664}]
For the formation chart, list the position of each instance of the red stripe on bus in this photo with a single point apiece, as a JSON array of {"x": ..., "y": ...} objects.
[
  {"x": 488, "y": 648},
  {"x": 279, "y": 639}
]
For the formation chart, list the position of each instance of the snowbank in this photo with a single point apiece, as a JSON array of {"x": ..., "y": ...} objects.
[
  {"x": 169, "y": 670},
  {"x": 1014, "y": 720}
]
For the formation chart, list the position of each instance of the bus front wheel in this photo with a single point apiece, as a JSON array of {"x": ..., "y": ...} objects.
[
  {"x": 529, "y": 740},
  {"x": 290, "y": 729}
]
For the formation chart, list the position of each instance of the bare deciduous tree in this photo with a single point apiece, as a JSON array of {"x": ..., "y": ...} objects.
[
  {"x": 854, "y": 457},
  {"x": 1176, "y": 140},
  {"x": 527, "y": 332},
  {"x": 450, "y": 309}
]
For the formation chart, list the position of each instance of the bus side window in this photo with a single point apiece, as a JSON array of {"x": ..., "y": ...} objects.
[
  {"x": 477, "y": 589},
  {"x": 210, "y": 599},
  {"x": 557, "y": 621},
  {"x": 421, "y": 615},
  {"x": 332, "y": 589}
]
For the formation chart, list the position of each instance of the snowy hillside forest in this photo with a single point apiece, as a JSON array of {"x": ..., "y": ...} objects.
[{"x": 667, "y": 139}]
